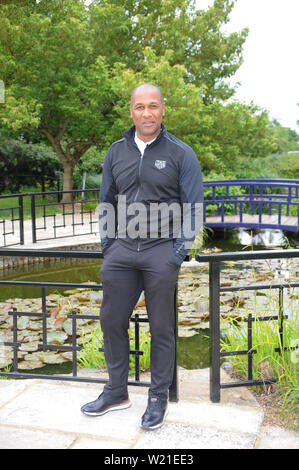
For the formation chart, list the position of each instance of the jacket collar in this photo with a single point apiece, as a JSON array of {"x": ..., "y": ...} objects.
[{"x": 130, "y": 133}]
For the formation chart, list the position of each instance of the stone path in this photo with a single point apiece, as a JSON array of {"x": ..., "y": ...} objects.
[{"x": 45, "y": 414}]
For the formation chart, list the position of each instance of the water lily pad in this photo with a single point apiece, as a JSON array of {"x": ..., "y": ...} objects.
[
  {"x": 51, "y": 304},
  {"x": 50, "y": 357},
  {"x": 30, "y": 364},
  {"x": 183, "y": 308},
  {"x": 5, "y": 362},
  {"x": 73, "y": 291},
  {"x": 68, "y": 355},
  {"x": 9, "y": 321},
  {"x": 83, "y": 298},
  {"x": 29, "y": 336},
  {"x": 202, "y": 326},
  {"x": 201, "y": 304},
  {"x": 5, "y": 352},
  {"x": 96, "y": 297},
  {"x": 186, "y": 332},
  {"x": 6, "y": 336},
  {"x": 33, "y": 346},
  {"x": 56, "y": 337},
  {"x": 23, "y": 322},
  {"x": 35, "y": 325},
  {"x": 188, "y": 322},
  {"x": 67, "y": 326}
]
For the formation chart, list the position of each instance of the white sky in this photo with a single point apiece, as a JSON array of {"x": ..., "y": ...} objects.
[{"x": 269, "y": 75}]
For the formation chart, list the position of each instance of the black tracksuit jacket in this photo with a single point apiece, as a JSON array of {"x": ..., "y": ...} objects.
[{"x": 168, "y": 172}]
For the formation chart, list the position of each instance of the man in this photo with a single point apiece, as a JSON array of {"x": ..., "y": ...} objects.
[{"x": 145, "y": 168}]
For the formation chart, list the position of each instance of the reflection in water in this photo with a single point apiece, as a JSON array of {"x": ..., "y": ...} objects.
[
  {"x": 66, "y": 271},
  {"x": 266, "y": 238}
]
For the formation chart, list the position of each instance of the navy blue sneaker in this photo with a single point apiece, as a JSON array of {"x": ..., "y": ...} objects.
[
  {"x": 105, "y": 403},
  {"x": 155, "y": 414}
]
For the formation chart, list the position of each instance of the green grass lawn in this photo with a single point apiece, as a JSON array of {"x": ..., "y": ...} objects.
[{"x": 6, "y": 203}]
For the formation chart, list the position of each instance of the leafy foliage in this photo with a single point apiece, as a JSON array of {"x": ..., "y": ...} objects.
[
  {"x": 21, "y": 164},
  {"x": 69, "y": 68}
]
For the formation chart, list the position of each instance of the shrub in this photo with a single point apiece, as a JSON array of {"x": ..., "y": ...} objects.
[{"x": 22, "y": 164}]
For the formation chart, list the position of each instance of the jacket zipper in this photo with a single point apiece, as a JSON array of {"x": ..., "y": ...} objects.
[
  {"x": 139, "y": 169},
  {"x": 136, "y": 195}
]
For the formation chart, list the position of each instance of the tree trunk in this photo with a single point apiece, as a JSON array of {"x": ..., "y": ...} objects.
[
  {"x": 68, "y": 180},
  {"x": 68, "y": 157}
]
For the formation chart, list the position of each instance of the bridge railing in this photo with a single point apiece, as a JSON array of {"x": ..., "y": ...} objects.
[
  {"x": 274, "y": 203},
  {"x": 254, "y": 188}
]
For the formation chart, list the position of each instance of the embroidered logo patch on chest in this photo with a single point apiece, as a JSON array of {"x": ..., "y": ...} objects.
[{"x": 160, "y": 164}]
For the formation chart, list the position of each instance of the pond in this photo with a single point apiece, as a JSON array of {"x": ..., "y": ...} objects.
[
  {"x": 193, "y": 341},
  {"x": 72, "y": 270}
]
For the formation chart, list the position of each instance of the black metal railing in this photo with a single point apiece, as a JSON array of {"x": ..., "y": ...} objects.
[
  {"x": 215, "y": 289},
  {"x": 73, "y": 215},
  {"x": 12, "y": 220},
  {"x": 48, "y": 213},
  {"x": 74, "y": 347}
]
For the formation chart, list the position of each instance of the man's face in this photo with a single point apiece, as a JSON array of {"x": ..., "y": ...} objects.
[{"x": 147, "y": 111}]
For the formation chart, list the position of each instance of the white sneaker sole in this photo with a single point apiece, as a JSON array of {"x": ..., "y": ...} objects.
[
  {"x": 113, "y": 408},
  {"x": 156, "y": 426}
]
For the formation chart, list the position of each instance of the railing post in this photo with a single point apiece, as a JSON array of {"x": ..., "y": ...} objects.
[
  {"x": 21, "y": 219},
  {"x": 289, "y": 200},
  {"x": 249, "y": 345},
  {"x": 74, "y": 342},
  {"x": 33, "y": 221},
  {"x": 214, "y": 299},
  {"x": 137, "y": 361},
  {"x": 281, "y": 318},
  {"x": 15, "y": 339},
  {"x": 44, "y": 319},
  {"x": 251, "y": 199}
]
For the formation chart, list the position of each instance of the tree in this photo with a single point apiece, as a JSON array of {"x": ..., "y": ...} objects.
[
  {"x": 66, "y": 65},
  {"x": 194, "y": 35},
  {"x": 287, "y": 139},
  {"x": 56, "y": 84}
]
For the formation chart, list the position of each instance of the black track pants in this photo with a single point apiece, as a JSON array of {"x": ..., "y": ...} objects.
[{"x": 124, "y": 274}]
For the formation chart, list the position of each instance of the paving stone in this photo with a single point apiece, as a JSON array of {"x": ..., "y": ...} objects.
[
  {"x": 180, "y": 436},
  {"x": 57, "y": 407},
  {"x": 92, "y": 443},
  {"x": 20, "y": 438},
  {"x": 275, "y": 437},
  {"x": 224, "y": 418},
  {"x": 11, "y": 388}
]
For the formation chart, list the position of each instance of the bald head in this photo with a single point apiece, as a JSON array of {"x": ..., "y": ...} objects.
[
  {"x": 145, "y": 87},
  {"x": 147, "y": 110}
]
